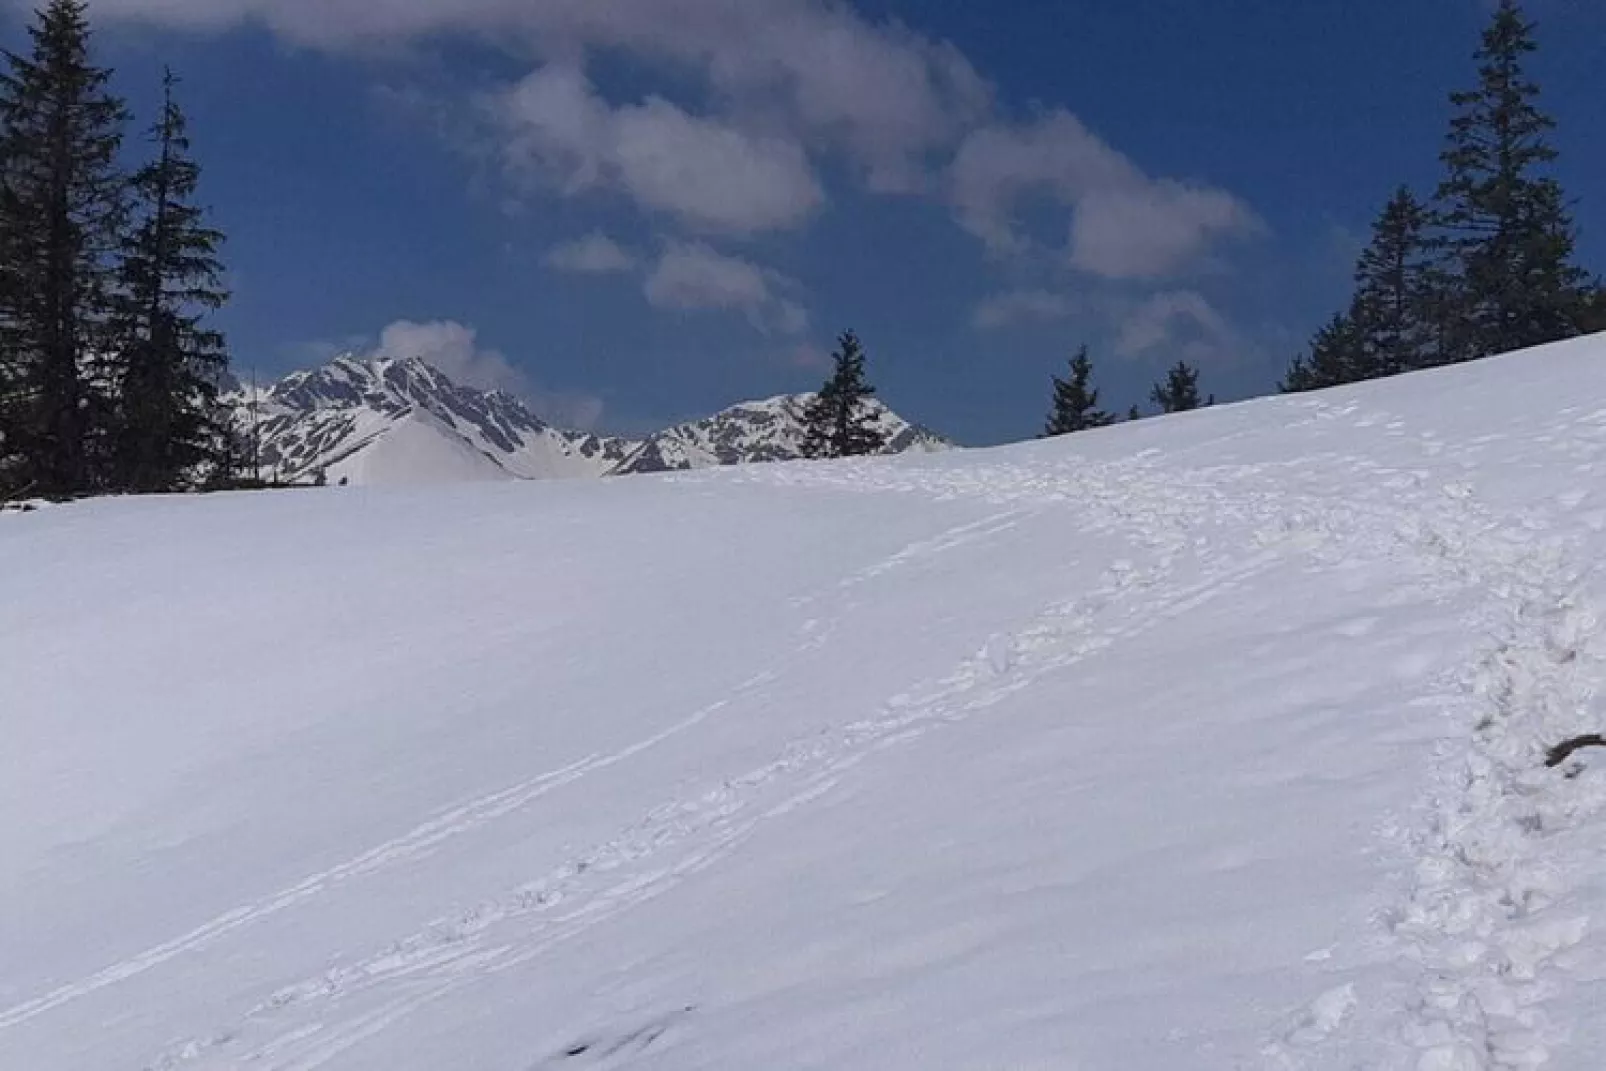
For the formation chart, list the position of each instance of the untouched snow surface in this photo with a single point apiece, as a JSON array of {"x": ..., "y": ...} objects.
[{"x": 1208, "y": 742}]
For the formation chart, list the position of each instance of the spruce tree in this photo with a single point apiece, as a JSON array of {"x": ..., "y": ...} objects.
[
  {"x": 1180, "y": 391},
  {"x": 1390, "y": 325},
  {"x": 62, "y": 215},
  {"x": 837, "y": 420},
  {"x": 1076, "y": 401},
  {"x": 1336, "y": 356},
  {"x": 1133, "y": 414},
  {"x": 1393, "y": 309},
  {"x": 172, "y": 424},
  {"x": 1504, "y": 231}
]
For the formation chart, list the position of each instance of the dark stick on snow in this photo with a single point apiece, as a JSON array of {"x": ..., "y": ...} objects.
[{"x": 1564, "y": 751}]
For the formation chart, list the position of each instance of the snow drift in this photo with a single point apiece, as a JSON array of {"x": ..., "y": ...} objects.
[{"x": 1213, "y": 741}]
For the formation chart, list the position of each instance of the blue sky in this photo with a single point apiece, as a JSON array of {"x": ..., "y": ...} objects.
[{"x": 637, "y": 211}]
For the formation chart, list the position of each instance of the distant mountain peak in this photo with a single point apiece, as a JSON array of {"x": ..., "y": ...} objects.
[
  {"x": 390, "y": 420},
  {"x": 770, "y": 429}
]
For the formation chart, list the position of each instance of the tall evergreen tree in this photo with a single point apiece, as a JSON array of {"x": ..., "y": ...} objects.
[
  {"x": 62, "y": 215},
  {"x": 170, "y": 365},
  {"x": 1180, "y": 391},
  {"x": 1076, "y": 400},
  {"x": 1133, "y": 414},
  {"x": 1504, "y": 231},
  {"x": 1336, "y": 356},
  {"x": 1393, "y": 308},
  {"x": 837, "y": 420},
  {"x": 1390, "y": 325}
]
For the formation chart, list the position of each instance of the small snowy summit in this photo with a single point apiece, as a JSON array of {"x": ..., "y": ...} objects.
[
  {"x": 768, "y": 430},
  {"x": 1212, "y": 742},
  {"x": 401, "y": 421}
]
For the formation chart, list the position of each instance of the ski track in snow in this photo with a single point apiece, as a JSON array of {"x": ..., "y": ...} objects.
[
  {"x": 1483, "y": 922},
  {"x": 472, "y": 815},
  {"x": 688, "y": 835},
  {"x": 416, "y": 844}
]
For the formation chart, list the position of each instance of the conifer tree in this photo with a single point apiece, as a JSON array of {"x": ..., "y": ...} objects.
[
  {"x": 1180, "y": 391},
  {"x": 1336, "y": 356},
  {"x": 1133, "y": 414},
  {"x": 1504, "y": 231},
  {"x": 1393, "y": 309},
  {"x": 171, "y": 421},
  {"x": 837, "y": 420},
  {"x": 1076, "y": 400},
  {"x": 1389, "y": 327},
  {"x": 62, "y": 214}
]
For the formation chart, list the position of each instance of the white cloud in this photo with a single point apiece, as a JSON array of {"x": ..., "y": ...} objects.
[
  {"x": 707, "y": 175},
  {"x": 1023, "y": 306},
  {"x": 595, "y": 254},
  {"x": 1125, "y": 225},
  {"x": 767, "y": 94},
  {"x": 454, "y": 349},
  {"x": 1179, "y": 320},
  {"x": 573, "y": 410},
  {"x": 881, "y": 93},
  {"x": 693, "y": 276},
  {"x": 1152, "y": 229}
]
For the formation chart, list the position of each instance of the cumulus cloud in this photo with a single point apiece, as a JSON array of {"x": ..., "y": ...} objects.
[
  {"x": 695, "y": 276},
  {"x": 595, "y": 254},
  {"x": 1125, "y": 224},
  {"x": 576, "y": 410},
  {"x": 1181, "y": 321},
  {"x": 323, "y": 23},
  {"x": 454, "y": 348},
  {"x": 704, "y": 173},
  {"x": 881, "y": 93},
  {"x": 1152, "y": 229},
  {"x": 1023, "y": 306},
  {"x": 755, "y": 101}
]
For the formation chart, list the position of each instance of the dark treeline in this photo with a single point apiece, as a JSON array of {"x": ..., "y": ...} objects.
[{"x": 110, "y": 379}]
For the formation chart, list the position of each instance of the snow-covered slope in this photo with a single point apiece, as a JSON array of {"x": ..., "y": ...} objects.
[
  {"x": 768, "y": 430},
  {"x": 401, "y": 421},
  {"x": 1206, "y": 742}
]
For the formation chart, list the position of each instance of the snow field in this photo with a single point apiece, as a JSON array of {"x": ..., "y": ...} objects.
[{"x": 1209, "y": 742}]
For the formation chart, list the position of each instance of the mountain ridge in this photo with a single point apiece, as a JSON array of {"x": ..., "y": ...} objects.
[
  {"x": 401, "y": 420},
  {"x": 766, "y": 430}
]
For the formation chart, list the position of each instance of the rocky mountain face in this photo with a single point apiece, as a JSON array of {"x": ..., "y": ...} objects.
[
  {"x": 769, "y": 430},
  {"x": 402, "y": 421},
  {"x": 388, "y": 420}
]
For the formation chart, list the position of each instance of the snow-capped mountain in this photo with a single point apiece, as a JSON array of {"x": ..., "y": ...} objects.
[
  {"x": 402, "y": 421},
  {"x": 387, "y": 420},
  {"x": 768, "y": 430}
]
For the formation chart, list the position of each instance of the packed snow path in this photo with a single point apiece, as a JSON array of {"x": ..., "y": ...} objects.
[{"x": 1211, "y": 742}]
